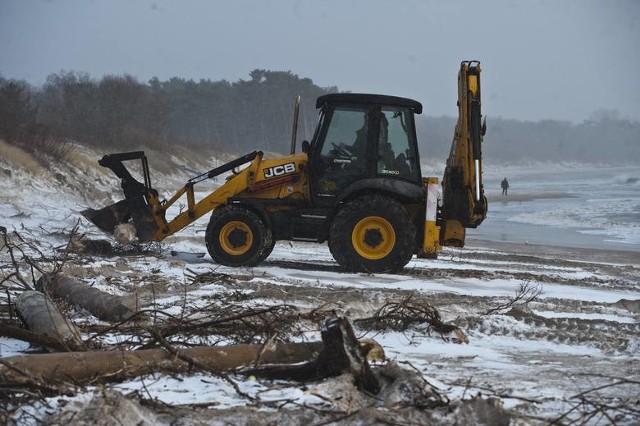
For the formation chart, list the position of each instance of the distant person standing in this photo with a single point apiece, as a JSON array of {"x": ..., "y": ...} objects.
[{"x": 505, "y": 186}]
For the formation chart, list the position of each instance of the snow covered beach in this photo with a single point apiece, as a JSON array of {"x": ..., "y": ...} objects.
[{"x": 571, "y": 353}]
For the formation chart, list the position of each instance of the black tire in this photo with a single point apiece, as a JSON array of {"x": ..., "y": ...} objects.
[
  {"x": 237, "y": 236},
  {"x": 372, "y": 233},
  {"x": 266, "y": 251}
]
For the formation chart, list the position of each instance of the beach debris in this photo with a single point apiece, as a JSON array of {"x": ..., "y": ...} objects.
[
  {"x": 113, "y": 366},
  {"x": 400, "y": 316},
  {"x": 405, "y": 387},
  {"x": 42, "y": 317},
  {"x": 105, "y": 407},
  {"x": 338, "y": 353},
  {"x": 125, "y": 233},
  {"x": 89, "y": 246},
  {"x": 105, "y": 306}
]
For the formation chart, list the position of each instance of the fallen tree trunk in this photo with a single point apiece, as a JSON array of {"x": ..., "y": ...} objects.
[
  {"x": 105, "y": 306},
  {"x": 86, "y": 367},
  {"x": 43, "y": 318},
  {"x": 338, "y": 353}
]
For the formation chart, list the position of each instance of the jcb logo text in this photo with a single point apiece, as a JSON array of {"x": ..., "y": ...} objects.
[{"x": 279, "y": 170}]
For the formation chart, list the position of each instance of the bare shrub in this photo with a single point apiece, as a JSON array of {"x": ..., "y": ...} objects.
[
  {"x": 525, "y": 294},
  {"x": 407, "y": 313}
]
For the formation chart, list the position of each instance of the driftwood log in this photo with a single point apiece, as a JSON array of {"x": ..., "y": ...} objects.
[
  {"x": 43, "y": 318},
  {"x": 105, "y": 306},
  {"x": 338, "y": 353},
  {"x": 86, "y": 367}
]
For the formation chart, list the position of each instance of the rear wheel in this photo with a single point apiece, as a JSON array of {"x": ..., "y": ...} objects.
[
  {"x": 237, "y": 236},
  {"x": 372, "y": 234},
  {"x": 266, "y": 251}
]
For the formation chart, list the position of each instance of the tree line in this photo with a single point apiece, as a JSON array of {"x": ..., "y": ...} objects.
[
  {"x": 122, "y": 113},
  {"x": 604, "y": 138}
]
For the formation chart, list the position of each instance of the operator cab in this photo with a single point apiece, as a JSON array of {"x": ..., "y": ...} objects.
[{"x": 363, "y": 141}]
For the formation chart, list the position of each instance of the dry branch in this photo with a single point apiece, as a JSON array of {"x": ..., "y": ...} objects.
[
  {"x": 525, "y": 294},
  {"x": 42, "y": 317},
  {"x": 11, "y": 248},
  {"x": 27, "y": 255},
  {"x": 400, "y": 316},
  {"x": 103, "y": 305},
  {"x": 235, "y": 321}
]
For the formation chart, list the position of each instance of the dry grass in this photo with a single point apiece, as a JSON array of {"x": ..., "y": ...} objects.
[
  {"x": 19, "y": 158},
  {"x": 85, "y": 160},
  {"x": 161, "y": 160}
]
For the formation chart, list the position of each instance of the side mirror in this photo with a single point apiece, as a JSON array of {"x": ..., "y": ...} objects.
[{"x": 305, "y": 146}]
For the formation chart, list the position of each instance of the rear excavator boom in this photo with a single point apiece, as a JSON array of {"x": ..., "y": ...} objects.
[{"x": 464, "y": 204}]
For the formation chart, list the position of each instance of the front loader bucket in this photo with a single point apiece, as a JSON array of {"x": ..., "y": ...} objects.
[
  {"x": 134, "y": 206},
  {"x": 109, "y": 217}
]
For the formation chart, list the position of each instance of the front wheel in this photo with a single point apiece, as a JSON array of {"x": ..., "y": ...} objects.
[
  {"x": 372, "y": 234},
  {"x": 237, "y": 236}
]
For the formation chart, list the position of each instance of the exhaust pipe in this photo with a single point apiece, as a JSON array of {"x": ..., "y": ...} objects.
[{"x": 294, "y": 132}]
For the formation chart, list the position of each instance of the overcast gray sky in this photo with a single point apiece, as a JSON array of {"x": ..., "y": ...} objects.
[{"x": 544, "y": 59}]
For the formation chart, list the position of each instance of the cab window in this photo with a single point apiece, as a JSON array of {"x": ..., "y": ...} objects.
[
  {"x": 346, "y": 137},
  {"x": 342, "y": 150}
]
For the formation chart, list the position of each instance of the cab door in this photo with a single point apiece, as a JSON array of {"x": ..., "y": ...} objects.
[
  {"x": 397, "y": 146},
  {"x": 341, "y": 152}
]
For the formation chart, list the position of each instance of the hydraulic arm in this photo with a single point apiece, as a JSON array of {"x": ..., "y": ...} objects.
[
  {"x": 141, "y": 203},
  {"x": 464, "y": 204}
]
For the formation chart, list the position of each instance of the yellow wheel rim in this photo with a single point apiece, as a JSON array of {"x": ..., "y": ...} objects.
[
  {"x": 236, "y": 238},
  {"x": 373, "y": 237}
]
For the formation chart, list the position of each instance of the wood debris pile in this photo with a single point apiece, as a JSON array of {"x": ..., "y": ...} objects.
[{"x": 130, "y": 337}]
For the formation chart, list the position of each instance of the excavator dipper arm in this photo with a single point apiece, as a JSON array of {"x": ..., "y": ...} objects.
[{"x": 464, "y": 204}]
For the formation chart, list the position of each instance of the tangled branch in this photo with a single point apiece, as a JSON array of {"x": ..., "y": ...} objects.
[
  {"x": 400, "y": 316},
  {"x": 27, "y": 255},
  {"x": 525, "y": 294},
  {"x": 592, "y": 407}
]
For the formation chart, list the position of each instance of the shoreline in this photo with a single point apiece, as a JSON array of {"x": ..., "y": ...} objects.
[
  {"x": 528, "y": 197},
  {"x": 623, "y": 257}
]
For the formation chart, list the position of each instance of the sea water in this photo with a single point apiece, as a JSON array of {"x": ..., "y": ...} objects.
[{"x": 564, "y": 205}]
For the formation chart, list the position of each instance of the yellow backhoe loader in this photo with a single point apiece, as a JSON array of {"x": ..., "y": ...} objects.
[{"x": 357, "y": 185}]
